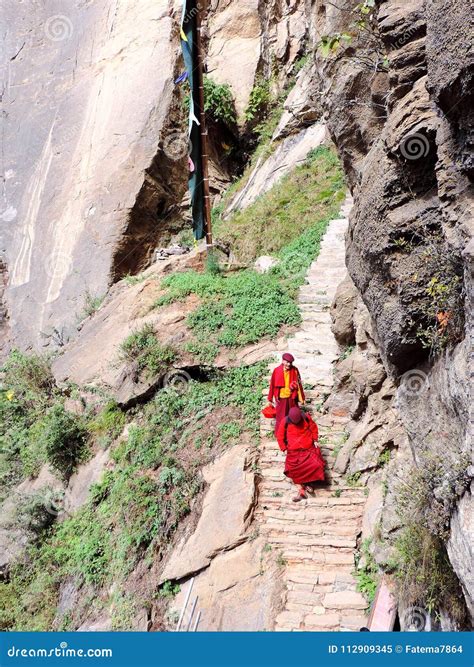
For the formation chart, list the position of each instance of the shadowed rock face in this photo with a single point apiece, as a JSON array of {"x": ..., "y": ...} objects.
[
  {"x": 408, "y": 167},
  {"x": 88, "y": 109},
  {"x": 410, "y": 171}
]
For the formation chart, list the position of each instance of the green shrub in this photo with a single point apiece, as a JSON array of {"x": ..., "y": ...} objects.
[
  {"x": 108, "y": 424},
  {"x": 367, "y": 575},
  {"x": 91, "y": 305},
  {"x": 143, "y": 348},
  {"x": 260, "y": 99},
  {"x": 219, "y": 101},
  {"x": 433, "y": 490},
  {"x": 424, "y": 574},
  {"x": 168, "y": 590},
  {"x": 65, "y": 440},
  {"x": 132, "y": 512},
  {"x": 236, "y": 310},
  {"x": 28, "y": 391},
  {"x": 353, "y": 479},
  {"x": 229, "y": 431},
  {"x": 28, "y": 377},
  {"x": 36, "y": 512}
]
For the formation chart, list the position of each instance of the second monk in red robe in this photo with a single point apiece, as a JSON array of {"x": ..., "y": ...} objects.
[{"x": 286, "y": 388}]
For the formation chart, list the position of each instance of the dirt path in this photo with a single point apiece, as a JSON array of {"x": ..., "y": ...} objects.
[{"x": 316, "y": 537}]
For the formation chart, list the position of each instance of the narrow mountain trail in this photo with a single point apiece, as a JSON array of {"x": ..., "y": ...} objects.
[{"x": 315, "y": 537}]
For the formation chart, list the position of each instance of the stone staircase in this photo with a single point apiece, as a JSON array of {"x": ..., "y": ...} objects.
[{"x": 316, "y": 538}]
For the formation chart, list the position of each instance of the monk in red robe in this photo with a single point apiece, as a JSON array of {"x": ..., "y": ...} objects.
[
  {"x": 297, "y": 434},
  {"x": 286, "y": 388}
]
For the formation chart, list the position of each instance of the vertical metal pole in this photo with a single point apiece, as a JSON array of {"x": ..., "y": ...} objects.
[
  {"x": 201, "y": 7},
  {"x": 183, "y": 610},
  {"x": 198, "y": 618},
  {"x": 193, "y": 608}
]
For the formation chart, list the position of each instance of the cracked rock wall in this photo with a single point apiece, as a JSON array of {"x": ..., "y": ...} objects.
[{"x": 407, "y": 153}]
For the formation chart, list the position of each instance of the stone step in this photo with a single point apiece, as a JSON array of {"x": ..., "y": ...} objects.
[{"x": 317, "y": 537}]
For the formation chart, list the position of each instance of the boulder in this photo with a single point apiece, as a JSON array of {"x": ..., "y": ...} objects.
[
  {"x": 342, "y": 312},
  {"x": 223, "y": 522},
  {"x": 264, "y": 263},
  {"x": 239, "y": 591},
  {"x": 460, "y": 545},
  {"x": 302, "y": 106},
  {"x": 235, "y": 47}
]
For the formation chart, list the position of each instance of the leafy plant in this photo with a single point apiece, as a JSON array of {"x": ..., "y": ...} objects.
[
  {"x": 168, "y": 590},
  {"x": 444, "y": 292},
  {"x": 353, "y": 479},
  {"x": 424, "y": 574},
  {"x": 363, "y": 35},
  {"x": 91, "y": 305},
  {"x": 346, "y": 352},
  {"x": 27, "y": 378},
  {"x": 108, "y": 423},
  {"x": 219, "y": 101},
  {"x": 35, "y": 513},
  {"x": 432, "y": 493},
  {"x": 136, "y": 279},
  {"x": 229, "y": 431},
  {"x": 384, "y": 457},
  {"x": 366, "y": 575},
  {"x": 65, "y": 440},
  {"x": 332, "y": 42},
  {"x": 143, "y": 348},
  {"x": 425, "y": 505},
  {"x": 259, "y": 100}
]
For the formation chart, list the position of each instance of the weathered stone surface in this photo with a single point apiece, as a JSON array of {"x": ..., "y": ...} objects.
[
  {"x": 372, "y": 510},
  {"x": 410, "y": 171},
  {"x": 223, "y": 521},
  {"x": 102, "y": 624},
  {"x": 264, "y": 263},
  {"x": 80, "y": 483},
  {"x": 13, "y": 536},
  {"x": 240, "y": 591},
  {"x": 344, "y": 600},
  {"x": 342, "y": 312},
  {"x": 235, "y": 47},
  {"x": 322, "y": 621},
  {"x": 127, "y": 308},
  {"x": 302, "y": 106}
]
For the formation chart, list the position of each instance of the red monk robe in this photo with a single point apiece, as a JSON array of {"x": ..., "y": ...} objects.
[
  {"x": 297, "y": 435},
  {"x": 286, "y": 389}
]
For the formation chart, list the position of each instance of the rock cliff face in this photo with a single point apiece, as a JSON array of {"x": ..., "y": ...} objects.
[
  {"x": 406, "y": 153},
  {"x": 88, "y": 190}
]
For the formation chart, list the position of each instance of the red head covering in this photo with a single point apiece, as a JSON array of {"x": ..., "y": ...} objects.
[
  {"x": 295, "y": 415},
  {"x": 288, "y": 357}
]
